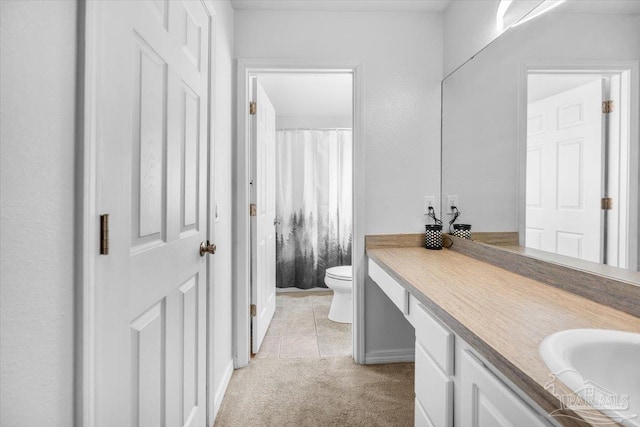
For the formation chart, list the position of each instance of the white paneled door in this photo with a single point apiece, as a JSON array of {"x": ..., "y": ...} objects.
[
  {"x": 565, "y": 172},
  {"x": 151, "y": 114},
  {"x": 263, "y": 229}
]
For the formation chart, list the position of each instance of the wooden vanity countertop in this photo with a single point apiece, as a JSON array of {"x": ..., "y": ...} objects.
[{"x": 503, "y": 315}]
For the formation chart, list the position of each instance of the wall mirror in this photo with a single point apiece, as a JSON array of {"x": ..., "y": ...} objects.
[{"x": 540, "y": 136}]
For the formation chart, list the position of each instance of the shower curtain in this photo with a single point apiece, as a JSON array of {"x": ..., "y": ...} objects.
[{"x": 313, "y": 205}]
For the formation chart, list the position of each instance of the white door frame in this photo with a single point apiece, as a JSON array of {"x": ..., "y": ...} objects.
[
  {"x": 88, "y": 226},
  {"x": 248, "y": 68},
  {"x": 628, "y": 68}
]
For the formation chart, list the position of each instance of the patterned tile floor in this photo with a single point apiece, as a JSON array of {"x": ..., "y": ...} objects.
[{"x": 301, "y": 328}]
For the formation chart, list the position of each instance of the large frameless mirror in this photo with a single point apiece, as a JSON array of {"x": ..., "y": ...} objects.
[{"x": 540, "y": 135}]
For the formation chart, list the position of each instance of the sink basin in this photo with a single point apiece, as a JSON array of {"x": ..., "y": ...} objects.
[{"x": 600, "y": 366}]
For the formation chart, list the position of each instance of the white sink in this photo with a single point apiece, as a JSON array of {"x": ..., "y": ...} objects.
[{"x": 600, "y": 366}]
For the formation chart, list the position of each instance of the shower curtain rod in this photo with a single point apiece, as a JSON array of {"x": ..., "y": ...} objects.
[{"x": 314, "y": 129}]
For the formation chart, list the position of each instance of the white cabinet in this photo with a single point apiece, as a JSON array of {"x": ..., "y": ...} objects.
[
  {"x": 395, "y": 291},
  {"x": 485, "y": 401},
  {"x": 421, "y": 419},
  {"x": 454, "y": 388},
  {"x": 434, "y": 389},
  {"x": 435, "y": 338},
  {"x": 434, "y": 367}
]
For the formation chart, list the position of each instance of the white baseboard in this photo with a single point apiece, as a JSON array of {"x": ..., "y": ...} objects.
[
  {"x": 292, "y": 290},
  {"x": 228, "y": 371},
  {"x": 389, "y": 356}
]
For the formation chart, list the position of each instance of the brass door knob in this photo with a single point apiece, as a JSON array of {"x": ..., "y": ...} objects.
[{"x": 207, "y": 248}]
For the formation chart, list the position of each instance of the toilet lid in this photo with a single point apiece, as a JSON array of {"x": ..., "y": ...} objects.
[{"x": 342, "y": 272}]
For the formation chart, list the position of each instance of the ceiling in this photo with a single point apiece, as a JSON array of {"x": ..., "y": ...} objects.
[
  {"x": 309, "y": 95},
  {"x": 344, "y": 5},
  {"x": 542, "y": 86}
]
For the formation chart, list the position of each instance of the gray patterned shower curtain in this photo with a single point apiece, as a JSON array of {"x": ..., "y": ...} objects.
[{"x": 313, "y": 205}]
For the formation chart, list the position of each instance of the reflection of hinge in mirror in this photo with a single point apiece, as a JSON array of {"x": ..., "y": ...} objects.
[
  {"x": 607, "y": 107},
  {"x": 253, "y": 108},
  {"x": 606, "y": 203},
  {"x": 253, "y": 310},
  {"x": 252, "y": 209}
]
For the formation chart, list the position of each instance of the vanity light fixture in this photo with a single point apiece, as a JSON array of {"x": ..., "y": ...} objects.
[
  {"x": 502, "y": 10},
  {"x": 544, "y": 7}
]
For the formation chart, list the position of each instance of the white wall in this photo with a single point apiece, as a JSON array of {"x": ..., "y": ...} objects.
[
  {"x": 470, "y": 25},
  {"x": 402, "y": 57},
  {"x": 37, "y": 114},
  {"x": 220, "y": 292}
]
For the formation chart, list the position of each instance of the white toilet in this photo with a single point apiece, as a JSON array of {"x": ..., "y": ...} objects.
[{"x": 339, "y": 279}]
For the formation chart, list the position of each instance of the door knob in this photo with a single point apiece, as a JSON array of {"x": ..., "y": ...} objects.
[{"x": 207, "y": 248}]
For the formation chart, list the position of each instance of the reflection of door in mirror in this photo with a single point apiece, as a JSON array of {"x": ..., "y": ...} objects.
[{"x": 573, "y": 163}]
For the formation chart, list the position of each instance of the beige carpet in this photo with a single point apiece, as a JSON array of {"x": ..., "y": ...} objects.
[{"x": 311, "y": 392}]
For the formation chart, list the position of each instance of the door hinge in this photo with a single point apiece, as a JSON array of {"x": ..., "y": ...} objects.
[
  {"x": 606, "y": 203},
  {"x": 252, "y": 209},
  {"x": 253, "y": 310},
  {"x": 253, "y": 107},
  {"x": 607, "y": 107},
  {"x": 104, "y": 234}
]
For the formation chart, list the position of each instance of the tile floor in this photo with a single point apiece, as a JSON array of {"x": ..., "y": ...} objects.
[{"x": 301, "y": 329}]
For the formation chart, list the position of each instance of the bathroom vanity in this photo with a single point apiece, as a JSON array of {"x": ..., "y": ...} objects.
[{"x": 478, "y": 328}]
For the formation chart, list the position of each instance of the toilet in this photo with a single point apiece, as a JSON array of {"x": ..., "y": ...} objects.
[{"x": 339, "y": 279}]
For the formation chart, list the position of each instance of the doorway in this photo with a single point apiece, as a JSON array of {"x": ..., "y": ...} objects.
[
  {"x": 578, "y": 165},
  {"x": 284, "y": 82},
  {"x": 306, "y": 193}
]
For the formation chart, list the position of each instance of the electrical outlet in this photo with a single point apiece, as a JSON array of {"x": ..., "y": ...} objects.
[
  {"x": 429, "y": 201},
  {"x": 452, "y": 201}
]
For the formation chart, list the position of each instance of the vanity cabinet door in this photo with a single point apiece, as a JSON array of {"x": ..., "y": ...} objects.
[
  {"x": 421, "y": 418},
  {"x": 434, "y": 390},
  {"x": 487, "y": 402},
  {"x": 434, "y": 337}
]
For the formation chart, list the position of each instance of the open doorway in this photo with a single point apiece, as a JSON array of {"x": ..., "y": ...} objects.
[
  {"x": 577, "y": 167},
  {"x": 302, "y": 224},
  {"x": 299, "y": 142}
]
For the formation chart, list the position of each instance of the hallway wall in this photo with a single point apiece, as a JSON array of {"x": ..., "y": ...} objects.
[
  {"x": 37, "y": 111},
  {"x": 402, "y": 57}
]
